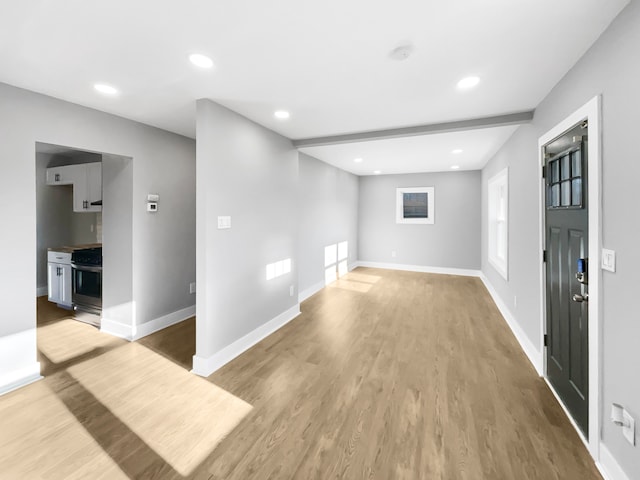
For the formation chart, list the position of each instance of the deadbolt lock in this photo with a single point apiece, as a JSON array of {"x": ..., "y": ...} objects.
[{"x": 582, "y": 276}]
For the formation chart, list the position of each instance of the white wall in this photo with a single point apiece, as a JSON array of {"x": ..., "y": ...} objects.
[
  {"x": 249, "y": 173},
  {"x": 608, "y": 69},
  {"x": 328, "y": 214},
  {"x": 117, "y": 247},
  {"x": 453, "y": 241},
  {"x": 164, "y": 243}
]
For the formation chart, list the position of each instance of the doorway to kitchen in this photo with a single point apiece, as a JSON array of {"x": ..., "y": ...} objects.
[{"x": 84, "y": 223}]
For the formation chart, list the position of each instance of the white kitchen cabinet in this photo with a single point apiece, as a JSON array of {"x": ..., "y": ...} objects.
[
  {"x": 65, "y": 175},
  {"x": 59, "y": 278},
  {"x": 88, "y": 189},
  {"x": 86, "y": 179}
]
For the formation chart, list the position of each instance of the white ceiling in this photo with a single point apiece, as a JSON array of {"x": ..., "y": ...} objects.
[
  {"x": 426, "y": 153},
  {"x": 327, "y": 62}
]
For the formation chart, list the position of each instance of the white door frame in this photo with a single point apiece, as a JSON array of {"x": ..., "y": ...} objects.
[{"x": 591, "y": 111}]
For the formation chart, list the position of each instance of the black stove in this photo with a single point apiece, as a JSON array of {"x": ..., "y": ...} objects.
[
  {"x": 86, "y": 274},
  {"x": 91, "y": 257}
]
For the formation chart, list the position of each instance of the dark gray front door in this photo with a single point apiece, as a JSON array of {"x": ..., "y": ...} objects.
[{"x": 567, "y": 248}]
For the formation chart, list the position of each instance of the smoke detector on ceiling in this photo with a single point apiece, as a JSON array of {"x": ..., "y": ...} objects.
[{"x": 402, "y": 52}]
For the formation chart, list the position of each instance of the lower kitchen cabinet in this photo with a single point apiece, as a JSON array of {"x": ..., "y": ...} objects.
[{"x": 59, "y": 279}]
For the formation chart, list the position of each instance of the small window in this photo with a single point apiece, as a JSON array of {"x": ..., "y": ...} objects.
[
  {"x": 498, "y": 189},
  {"x": 564, "y": 184}
]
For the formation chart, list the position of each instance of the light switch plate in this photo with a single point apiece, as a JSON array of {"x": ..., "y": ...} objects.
[
  {"x": 630, "y": 431},
  {"x": 608, "y": 260},
  {"x": 224, "y": 222}
]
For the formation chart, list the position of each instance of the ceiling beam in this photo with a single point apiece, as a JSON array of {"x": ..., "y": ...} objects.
[{"x": 430, "y": 129}]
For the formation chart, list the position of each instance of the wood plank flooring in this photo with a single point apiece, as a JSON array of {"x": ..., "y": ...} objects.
[{"x": 385, "y": 375}]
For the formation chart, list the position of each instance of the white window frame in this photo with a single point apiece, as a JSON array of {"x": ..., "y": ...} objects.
[{"x": 498, "y": 217}]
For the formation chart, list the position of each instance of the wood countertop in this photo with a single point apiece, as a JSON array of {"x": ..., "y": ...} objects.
[{"x": 71, "y": 249}]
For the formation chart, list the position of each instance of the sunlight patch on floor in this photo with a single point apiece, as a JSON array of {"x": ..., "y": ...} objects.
[
  {"x": 352, "y": 286},
  {"x": 79, "y": 338},
  {"x": 70, "y": 452},
  {"x": 362, "y": 277},
  {"x": 180, "y": 416}
]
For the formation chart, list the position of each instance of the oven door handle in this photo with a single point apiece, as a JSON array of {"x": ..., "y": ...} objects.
[{"x": 85, "y": 268}]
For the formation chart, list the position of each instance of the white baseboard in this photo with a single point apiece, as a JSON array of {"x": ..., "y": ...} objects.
[
  {"x": 163, "y": 322},
  {"x": 20, "y": 378},
  {"x": 308, "y": 292},
  {"x": 313, "y": 289},
  {"x": 206, "y": 366},
  {"x": 42, "y": 291},
  {"x": 18, "y": 367},
  {"x": 533, "y": 354},
  {"x": 421, "y": 268},
  {"x": 115, "y": 328},
  {"x": 609, "y": 467},
  {"x": 136, "y": 332}
]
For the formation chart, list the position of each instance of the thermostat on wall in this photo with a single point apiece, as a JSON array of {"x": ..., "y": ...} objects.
[{"x": 152, "y": 202}]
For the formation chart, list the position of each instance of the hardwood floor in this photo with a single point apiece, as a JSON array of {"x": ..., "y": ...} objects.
[{"x": 385, "y": 375}]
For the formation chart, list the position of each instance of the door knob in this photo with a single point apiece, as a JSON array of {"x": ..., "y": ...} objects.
[{"x": 581, "y": 298}]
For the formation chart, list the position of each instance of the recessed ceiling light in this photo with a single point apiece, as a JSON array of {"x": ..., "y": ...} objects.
[
  {"x": 468, "y": 82},
  {"x": 455, "y": 167},
  {"x": 282, "y": 114},
  {"x": 357, "y": 160},
  {"x": 200, "y": 60},
  {"x": 377, "y": 172},
  {"x": 401, "y": 53},
  {"x": 457, "y": 151},
  {"x": 106, "y": 89}
]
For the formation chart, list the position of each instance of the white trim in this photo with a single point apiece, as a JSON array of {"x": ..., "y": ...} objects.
[
  {"x": 494, "y": 185},
  {"x": 609, "y": 467},
  {"x": 533, "y": 354},
  {"x": 206, "y": 366},
  {"x": 20, "y": 378},
  {"x": 313, "y": 289},
  {"x": 42, "y": 291},
  {"x": 115, "y": 328},
  {"x": 136, "y": 332},
  {"x": 592, "y": 112},
  {"x": 17, "y": 360},
  {"x": 163, "y": 322},
  {"x": 308, "y": 292},
  {"x": 421, "y": 268}
]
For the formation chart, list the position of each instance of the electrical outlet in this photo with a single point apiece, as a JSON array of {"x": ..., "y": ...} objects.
[
  {"x": 192, "y": 287},
  {"x": 629, "y": 427},
  {"x": 515, "y": 301},
  {"x": 291, "y": 291},
  {"x": 393, "y": 254}
]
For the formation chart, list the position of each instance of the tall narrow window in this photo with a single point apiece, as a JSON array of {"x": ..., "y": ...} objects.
[{"x": 499, "y": 222}]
